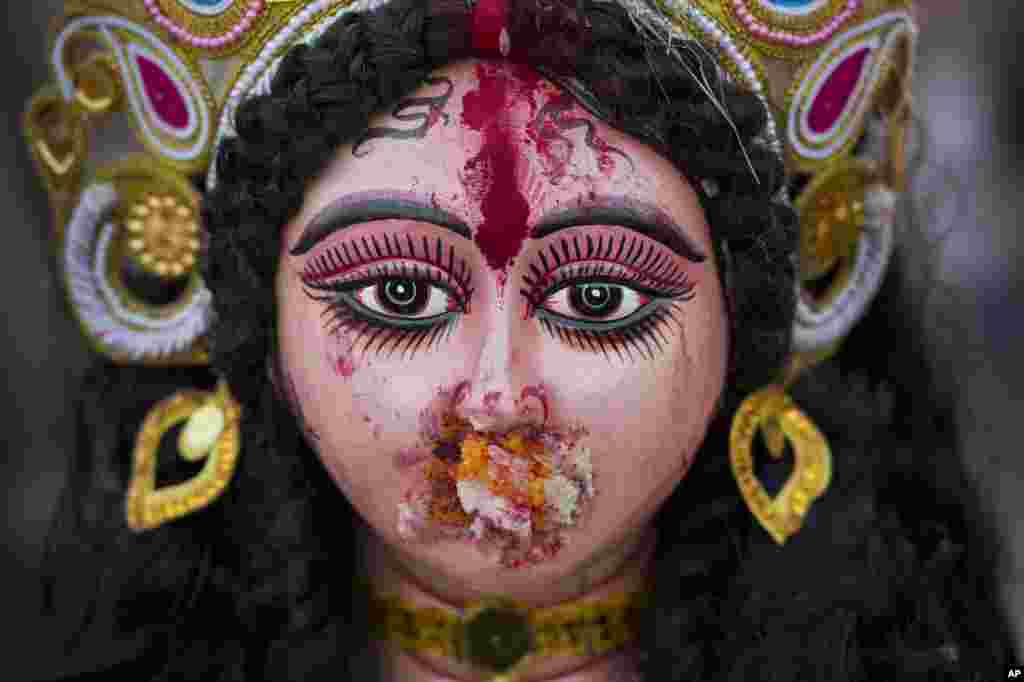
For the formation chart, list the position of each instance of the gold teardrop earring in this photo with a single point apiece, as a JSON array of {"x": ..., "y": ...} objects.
[
  {"x": 772, "y": 411},
  {"x": 211, "y": 433}
]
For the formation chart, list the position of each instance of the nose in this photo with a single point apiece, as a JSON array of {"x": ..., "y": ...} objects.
[{"x": 502, "y": 392}]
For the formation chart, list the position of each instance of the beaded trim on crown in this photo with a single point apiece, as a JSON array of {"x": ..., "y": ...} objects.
[{"x": 830, "y": 72}]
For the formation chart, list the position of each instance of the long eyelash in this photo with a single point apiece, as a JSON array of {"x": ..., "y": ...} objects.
[
  {"x": 634, "y": 263},
  {"x": 340, "y": 315},
  {"x": 541, "y": 285},
  {"x": 637, "y": 337},
  {"x": 414, "y": 271},
  {"x": 655, "y": 269},
  {"x": 336, "y": 260},
  {"x": 380, "y": 335}
]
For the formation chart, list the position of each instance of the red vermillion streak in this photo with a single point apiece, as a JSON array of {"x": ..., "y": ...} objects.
[{"x": 490, "y": 176}]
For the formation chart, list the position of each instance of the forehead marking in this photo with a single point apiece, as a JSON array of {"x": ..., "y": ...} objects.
[{"x": 490, "y": 177}]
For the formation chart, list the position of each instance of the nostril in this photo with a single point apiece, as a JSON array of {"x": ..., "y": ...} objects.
[
  {"x": 491, "y": 401},
  {"x": 461, "y": 393},
  {"x": 538, "y": 392},
  {"x": 492, "y": 414}
]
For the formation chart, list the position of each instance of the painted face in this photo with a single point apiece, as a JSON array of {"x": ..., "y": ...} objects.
[{"x": 502, "y": 326}]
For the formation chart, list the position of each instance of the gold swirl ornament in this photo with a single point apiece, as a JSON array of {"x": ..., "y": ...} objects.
[
  {"x": 164, "y": 235},
  {"x": 98, "y": 87},
  {"x": 54, "y": 130},
  {"x": 831, "y": 211},
  {"x": 846, "y": 242},
  {"x": 775, "y": 413},
  {"x": 211, "y": 433},
  {"x": 129, "y": 258}
]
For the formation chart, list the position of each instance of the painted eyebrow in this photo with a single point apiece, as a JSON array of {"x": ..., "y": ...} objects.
[
  {"x": 638, "y": 216},
  {"x": 362, "y": 207}
]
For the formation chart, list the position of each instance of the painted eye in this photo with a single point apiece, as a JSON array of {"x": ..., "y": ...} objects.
[
  {"x": 405, "y": 297},
  {"x": 596, "y": 301}
]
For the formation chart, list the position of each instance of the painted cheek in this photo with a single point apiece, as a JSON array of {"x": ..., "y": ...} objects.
[{"x": 340, "y": 354}]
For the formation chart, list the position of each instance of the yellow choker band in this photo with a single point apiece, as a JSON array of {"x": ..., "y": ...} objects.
[{"x": 502, "y": 634}]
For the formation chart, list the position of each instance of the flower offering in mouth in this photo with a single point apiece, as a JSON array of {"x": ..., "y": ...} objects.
[{"x": 512, "y": 491}]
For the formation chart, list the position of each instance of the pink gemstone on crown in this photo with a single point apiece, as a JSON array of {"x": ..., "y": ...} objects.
[
  {"x": 162, "y": 92},
  {"x": 835, "y": 93}
]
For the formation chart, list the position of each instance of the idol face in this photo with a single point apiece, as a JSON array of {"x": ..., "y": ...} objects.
[{"x": 501, "y": 327}]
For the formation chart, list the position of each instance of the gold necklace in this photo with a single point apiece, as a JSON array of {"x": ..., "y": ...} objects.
[{"x": 502, "y": 634}]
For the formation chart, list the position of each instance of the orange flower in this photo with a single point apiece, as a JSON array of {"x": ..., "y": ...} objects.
[
  {"x": 514, "y": 443},
  {"x": 503, "y": 487},
  {"x": 540, "y": 469},
  {"x": 536, "y": 488},
  {"x": 436, "y": 470},
  {"x": 537, "y": 516},
  {"x": 453, "y": 427},
  {"x": 474, "y": 458},
  {"x": 517, "y": 444},
  {"x": 446, "y": 509}
]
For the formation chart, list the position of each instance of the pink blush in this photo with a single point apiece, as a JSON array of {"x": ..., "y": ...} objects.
[
  {"x": 345, "y": 367},
  {"x": 340, "y": 356},
  {"x": 410, "y": 457}
]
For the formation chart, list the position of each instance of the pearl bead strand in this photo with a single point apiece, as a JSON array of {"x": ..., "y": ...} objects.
[
  {"x": 230, "y": 37},
  {"x": 792, "y": 39}
]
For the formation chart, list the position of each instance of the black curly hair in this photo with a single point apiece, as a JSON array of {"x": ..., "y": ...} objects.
[{"x": 885, "y": 581}]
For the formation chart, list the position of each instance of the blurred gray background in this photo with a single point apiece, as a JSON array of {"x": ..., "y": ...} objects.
[{"x": 967, "y": 92}]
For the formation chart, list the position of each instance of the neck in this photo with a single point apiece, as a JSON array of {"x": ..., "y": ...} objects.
[{"x": 624, "y": 566}]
